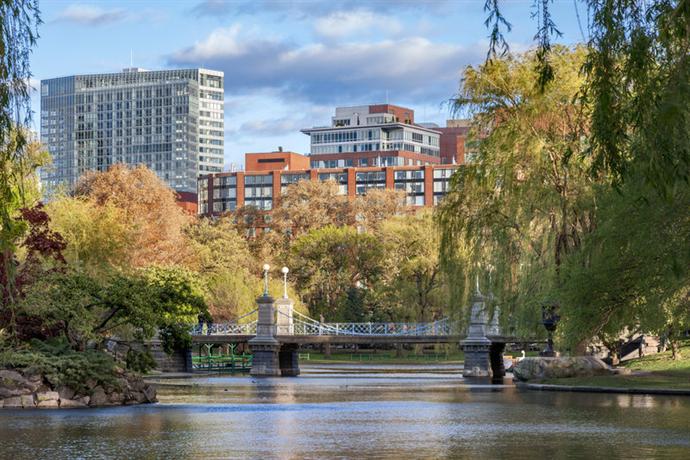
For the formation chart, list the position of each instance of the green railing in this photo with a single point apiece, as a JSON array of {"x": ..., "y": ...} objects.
[{"x": 223, "y": 362}]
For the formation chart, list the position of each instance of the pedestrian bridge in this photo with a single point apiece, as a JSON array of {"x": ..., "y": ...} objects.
[
  {"x": 308, "y": 330},
  {"x": 274, "y": 332}
]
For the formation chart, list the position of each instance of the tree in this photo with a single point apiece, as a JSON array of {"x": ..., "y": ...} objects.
[
  {"x": 85, "y": 309},
  {"x": 329, "y": 262},
  {"x": 20, "y": 20},
  {"x": 307, "y": 205},
  {"x": 99, "y": 238},
  {"x": 527, "y": 200},
  {"x": 226, "y": 267},
  {"x": 377, "y": 206},
  {"x": 633, "y": 272},
  {"x": 412, "y": 282},
  {"x": 637, "y": 81},
  {"x": 149, "y": 209}
]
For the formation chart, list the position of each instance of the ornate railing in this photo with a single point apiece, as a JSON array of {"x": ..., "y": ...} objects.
[{"x": 304, "y": 325}]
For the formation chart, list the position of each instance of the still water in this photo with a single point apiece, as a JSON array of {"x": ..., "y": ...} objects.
[{"x": 395, "y": 412}]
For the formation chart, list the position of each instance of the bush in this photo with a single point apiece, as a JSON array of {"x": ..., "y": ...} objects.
[
  {"x": 175, "y": 338},
  {"x": 61, "y": 365},
  {"x": 139, "y": 361}
]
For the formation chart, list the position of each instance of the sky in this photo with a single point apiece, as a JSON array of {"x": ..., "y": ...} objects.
[{"x": 288, "y": 64}]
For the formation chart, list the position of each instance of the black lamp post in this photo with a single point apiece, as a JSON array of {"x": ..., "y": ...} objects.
[{"x": 549, "y": 318}]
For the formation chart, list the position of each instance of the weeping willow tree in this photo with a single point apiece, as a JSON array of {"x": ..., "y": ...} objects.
[
  {"x": 526, "y": 199},
  {"x": 637, "y": 81},
  {"x": 593, "y": 216},
  {"x": 18, "y": 22}
]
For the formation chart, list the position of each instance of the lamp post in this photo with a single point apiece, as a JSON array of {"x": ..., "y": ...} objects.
[
  {"x": 285, "y": 271},
  {"x": 266, "y": 269}
]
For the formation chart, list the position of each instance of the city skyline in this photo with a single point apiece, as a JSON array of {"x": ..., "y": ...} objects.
[{"x": 287, "y": 64}]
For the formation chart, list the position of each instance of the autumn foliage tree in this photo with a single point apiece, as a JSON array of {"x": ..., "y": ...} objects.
[{"x": 148, "y": 207}]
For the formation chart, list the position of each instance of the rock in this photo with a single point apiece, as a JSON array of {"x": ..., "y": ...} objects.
[
  {"x": 84, "y": 399},
  {"x": 47, "y": 396},
  {"x": 12, "y": 403},
  {"x": 49, "y": 404},
  {"x": 91, "y": 384},
  {"x": 9, "y": 392},
  {"x": 150, "y": 394},
  {"x": 65, "y": 392},
  {"x": 98, "y": 397},
  {"x": 70, "y": 403},
  {"x": 28, "y": 401},
  {"x": 8, "y": 377},
  {"x": 116, "y": 398},
  {"x": 541, "y": 368}
]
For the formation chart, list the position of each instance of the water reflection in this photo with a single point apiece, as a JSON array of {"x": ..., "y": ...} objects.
[{"x": 347, "y": 412}]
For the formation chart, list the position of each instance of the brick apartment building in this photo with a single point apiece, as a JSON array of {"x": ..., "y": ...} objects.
[
  {"x": 225, "y": 192},
  {"x": 374, "y": 146}
]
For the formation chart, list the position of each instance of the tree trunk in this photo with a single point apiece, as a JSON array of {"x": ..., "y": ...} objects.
[{"x": 675, "y": 350}]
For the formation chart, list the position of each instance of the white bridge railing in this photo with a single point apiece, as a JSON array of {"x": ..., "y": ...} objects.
[{"x": 304, "y": 325}]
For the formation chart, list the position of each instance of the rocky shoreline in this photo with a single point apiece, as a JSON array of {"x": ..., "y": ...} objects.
[{"x": 25, "y": 390}]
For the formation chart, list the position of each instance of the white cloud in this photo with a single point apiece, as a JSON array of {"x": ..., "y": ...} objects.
[
  {"x": 413, "y": 67},
  {"x": 90, "y": 15},
  {"x": 340, "y": 24}
]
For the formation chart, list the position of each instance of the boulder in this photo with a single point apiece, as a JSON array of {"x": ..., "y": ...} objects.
[
  {"x": 28, "y": 401},
  {"x": 9, "y": 392},
  {"x": 542, "y": 368},
  {"x": 14, "y": 402},
  {"x": 49, "y": 404},
  {"x": 47, "y": 396},
  {"x": 9, "y": 377},
  {"x": 98, "y": 397},
  {"x": 150, "y": 394},
  {"x": 65, "y": 392},
  {"x": 70, "y": 403},
  {"x": 84, "y": 399},
  {"x": 116, "y": 398}
]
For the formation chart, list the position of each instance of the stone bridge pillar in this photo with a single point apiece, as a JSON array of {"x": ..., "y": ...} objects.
[
  {"x": 477, "y": 346},
  {"x": 264, "y": 346},
  {"x": 285, "y": 309}
]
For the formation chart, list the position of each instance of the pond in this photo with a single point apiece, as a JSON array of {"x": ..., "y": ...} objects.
[{"x": 357, "y": 411}]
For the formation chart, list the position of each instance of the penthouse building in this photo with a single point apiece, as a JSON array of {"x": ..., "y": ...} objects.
[
  {"x": 373, "y": 135},
  {"x": 169, "y": 120},
  {"x": 268, "y": 175}
]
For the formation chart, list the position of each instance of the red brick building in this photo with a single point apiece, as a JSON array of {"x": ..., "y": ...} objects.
[{"x": 225, "y": 192}]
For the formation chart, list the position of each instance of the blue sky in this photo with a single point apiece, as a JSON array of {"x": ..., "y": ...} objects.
[{"x": 288, "y": 63}]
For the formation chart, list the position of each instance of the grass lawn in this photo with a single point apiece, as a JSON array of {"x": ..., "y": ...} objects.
[{"x": 653, "y": 371}]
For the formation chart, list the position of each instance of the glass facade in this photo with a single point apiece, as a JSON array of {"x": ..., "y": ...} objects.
[{"x": 171, "y": 121}]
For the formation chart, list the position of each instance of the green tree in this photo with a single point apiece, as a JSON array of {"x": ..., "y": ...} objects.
[
  {"x": 633, "y": 272},
  {"x": 99, "y": 238},
  {"x": 18, "y": 34},
  {"x": 86, "y": 309},
  {"x": 226, "y": 267},
  {"x": 329, "y": 262},
  {"x": 527, "y": 199},
  {"x": 413, "y": 284}
]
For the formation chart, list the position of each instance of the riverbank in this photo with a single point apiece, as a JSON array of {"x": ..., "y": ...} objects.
[
  {"x": 648, "y": 374},
  {"x": 25, "y": 389}
]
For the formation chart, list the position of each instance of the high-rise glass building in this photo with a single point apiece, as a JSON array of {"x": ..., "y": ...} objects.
[{"x": 169, "y": 120}]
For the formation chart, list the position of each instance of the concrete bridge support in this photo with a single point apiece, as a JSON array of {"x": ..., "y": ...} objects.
[
  {"x": 477, "y": 346},
  {"x": 270, "y": 357},
  {"x": 265, "y": 348}
]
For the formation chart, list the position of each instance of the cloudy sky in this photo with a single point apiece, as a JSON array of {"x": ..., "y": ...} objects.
[{"x": 288, "y": 63}]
